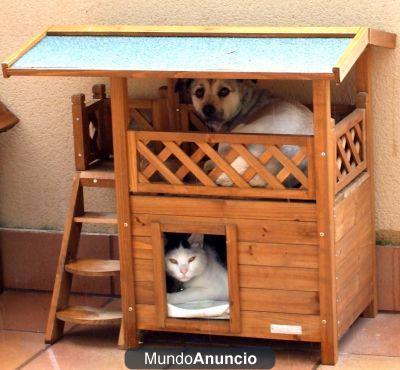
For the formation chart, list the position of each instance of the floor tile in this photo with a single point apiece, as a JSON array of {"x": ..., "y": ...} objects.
[
  {"x": 27, "y": 311},
  {"x": 363, "y": 362},
  {"x": 83, "y": 348},
  {"x": 296, "y": 360},
  {"x": 86, "y": 348},
  {"x": 378, "y": 336},
  {"x": 17, "y": 347}
]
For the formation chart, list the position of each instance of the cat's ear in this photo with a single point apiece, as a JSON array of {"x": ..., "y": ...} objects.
[{"x": 196, "y": 240}]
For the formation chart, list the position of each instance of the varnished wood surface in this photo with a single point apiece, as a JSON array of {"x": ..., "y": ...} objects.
[
  {"x": 97, "y": 218},
  {"x": 94, "y": 267},
  {"x": 120, "y": 121},
  {"x": 224, "y": 208},
  {"x": 363, "y": 84},
  {"x": 90, "y": 315},
  {"x": 324, "y": 183},
  {"x": 228, "y": 31},
  {"x": 253, "y": 324},
  {"x": 69, "y": 248}
]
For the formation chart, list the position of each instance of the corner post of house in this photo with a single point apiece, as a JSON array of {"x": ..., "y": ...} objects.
[
  {"x": 120, "y": 121},
  {"x": 363, "y": 85},
  {"x": 324, "y": 152}
]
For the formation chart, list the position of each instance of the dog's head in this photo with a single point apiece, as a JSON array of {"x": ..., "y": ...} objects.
[{"x": 217, "y": 101}]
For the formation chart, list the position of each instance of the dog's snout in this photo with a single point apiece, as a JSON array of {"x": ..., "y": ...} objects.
[{"x": 208, "y": 110}]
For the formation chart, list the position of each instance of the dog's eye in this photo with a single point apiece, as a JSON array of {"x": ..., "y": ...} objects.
[
  {"x": 223, "y": 92},
  {"x": 199, "y": 92},
  {"x": 174, "y": 261},
  {"x": 191, "y": 259}
]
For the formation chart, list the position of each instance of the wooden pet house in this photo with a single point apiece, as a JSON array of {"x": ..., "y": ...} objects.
[{"x": 300, "y": 261}]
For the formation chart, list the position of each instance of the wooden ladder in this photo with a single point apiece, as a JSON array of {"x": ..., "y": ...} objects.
[{"x": 68, "y": 265}]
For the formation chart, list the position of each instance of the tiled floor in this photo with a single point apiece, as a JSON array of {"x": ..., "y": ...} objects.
[{"x": 370, "y": 344}]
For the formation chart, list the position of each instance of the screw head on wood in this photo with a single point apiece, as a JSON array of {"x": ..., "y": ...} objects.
[
  {"x": 125, "y": 224},
  {"x": 177, "y": 109},
  {"x": 79, "y": 154},
  {"x": 323, "y": 154},
  {"x": 77, "y": 118},
  {"x": 130, "y": 309},
  {"x": 321, "y": 234},
  {"x": 323, "y": 322},
  {"x": 95, "y": 181}
]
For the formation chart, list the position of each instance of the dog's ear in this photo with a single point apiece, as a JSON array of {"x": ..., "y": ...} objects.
[{"x": 183, "y": 84}]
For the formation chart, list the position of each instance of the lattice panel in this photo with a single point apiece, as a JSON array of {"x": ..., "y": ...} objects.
[
  {"x": 190, "y": 120},
  {"x": 350, "y": 148},
  {"x": 218, "y": 164},
  {"x": 141, "y": 117}
]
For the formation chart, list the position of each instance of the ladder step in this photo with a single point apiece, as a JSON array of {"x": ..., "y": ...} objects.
[
  {"x": 97, "y": 218},
  {"x": 100, "y": 176},
  {"x": 94, "y": 267},
  {"x": 97, "y": 179},
  {"x": 90, "y": 315}
]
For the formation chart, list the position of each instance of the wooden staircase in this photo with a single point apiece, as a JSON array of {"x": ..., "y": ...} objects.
[{"x": 68, "y": 265}]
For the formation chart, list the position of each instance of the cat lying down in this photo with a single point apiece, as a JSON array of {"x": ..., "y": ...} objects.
[
  {"x": 238, "y": 106},
  {"x": 195, "y": 265}
]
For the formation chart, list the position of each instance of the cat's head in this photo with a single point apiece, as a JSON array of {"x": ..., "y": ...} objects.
[{"x": 186, "y": 259}]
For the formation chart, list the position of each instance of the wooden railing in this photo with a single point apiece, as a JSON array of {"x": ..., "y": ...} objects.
[
  {"x": 189, "y": 161},
  {"x": 350, "y": 148},
  {"x": 160, "y": 163}
]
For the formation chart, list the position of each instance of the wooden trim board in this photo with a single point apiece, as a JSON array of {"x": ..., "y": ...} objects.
[
  {"x": 9, "y": 71},
  {"x": 351, "y": 54},
  {"x": 220, "y": 31},
  {"x": 22, "y": 51}
]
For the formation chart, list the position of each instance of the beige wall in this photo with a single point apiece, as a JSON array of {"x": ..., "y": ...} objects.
[{"x": 36, "y": 158}]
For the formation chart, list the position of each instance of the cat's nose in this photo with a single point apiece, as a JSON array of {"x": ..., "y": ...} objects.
[{"x": 183, "y": 270}]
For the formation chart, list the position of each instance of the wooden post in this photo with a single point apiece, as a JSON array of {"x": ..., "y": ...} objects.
[
  {"x": 160, "y": 292},
  {"x": 363, "y": 84},
  {"x": 120, "y": 121},
  {"x": 173, "y": 105},
  {"x": 324, "y": 154},
  {"x": 81, "y": 132},
  {"x": 104, "y": 132},
  {"x": 233, "y": 278}
]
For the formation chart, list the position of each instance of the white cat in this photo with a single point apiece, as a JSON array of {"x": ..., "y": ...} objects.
[{"x": 197, "y": 267}]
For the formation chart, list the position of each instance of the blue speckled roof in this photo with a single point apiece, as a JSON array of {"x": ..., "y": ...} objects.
[{"x": 185, "y": 54}]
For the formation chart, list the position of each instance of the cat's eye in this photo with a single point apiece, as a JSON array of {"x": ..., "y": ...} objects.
[
  {"x": 223, "y": 92},
  {"x": 174, "y": 261},
  {"x": 191, "y": 259},
  {"x": 199, "y": 92}
]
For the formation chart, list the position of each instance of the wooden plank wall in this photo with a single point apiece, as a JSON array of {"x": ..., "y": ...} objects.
[
  {"x": 354, "y": 252},
  {"x": 278, "y": 259}
]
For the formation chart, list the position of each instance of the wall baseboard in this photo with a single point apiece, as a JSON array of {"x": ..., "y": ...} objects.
[
  {"x": 388, "y": 261},
  {"x": 29, "y": 258}
]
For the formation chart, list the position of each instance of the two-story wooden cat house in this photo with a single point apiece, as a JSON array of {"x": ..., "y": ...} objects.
[{"x": 300, "y": 261}]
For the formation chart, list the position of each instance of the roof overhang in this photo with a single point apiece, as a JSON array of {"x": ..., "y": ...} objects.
[{"x": 359, "y": 39}]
